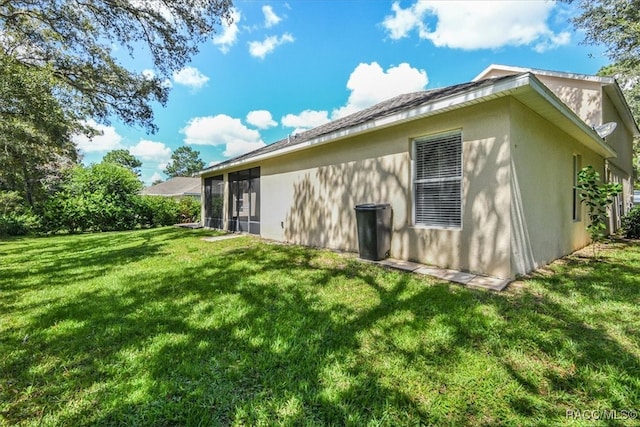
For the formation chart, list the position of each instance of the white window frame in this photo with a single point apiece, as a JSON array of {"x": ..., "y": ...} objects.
[{"x": 415, "y": 181}]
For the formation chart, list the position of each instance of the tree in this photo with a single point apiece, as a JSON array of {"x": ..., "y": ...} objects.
[
  {"x": 123, "y": 158},
  {"x": 100, "y": 197},
  {"x": 58, "y": 70},
  {"x": 185, "y": 161},
  {"x": 71, "y": 41},
  {"x": 614, "y": 24},
  {"x": 35, "y": 131}
]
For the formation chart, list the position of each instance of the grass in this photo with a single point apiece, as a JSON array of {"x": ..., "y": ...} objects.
[{"x": 157, "y": 327}]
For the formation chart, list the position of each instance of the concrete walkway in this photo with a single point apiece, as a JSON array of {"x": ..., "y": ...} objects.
[{"x": 466, "y": 279}]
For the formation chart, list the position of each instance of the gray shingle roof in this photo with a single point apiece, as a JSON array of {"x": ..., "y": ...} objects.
[
  {"x": 382, "y": 109},
  {"x": 178, "y": 186}
]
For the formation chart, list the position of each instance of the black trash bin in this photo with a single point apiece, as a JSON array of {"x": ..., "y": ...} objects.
[{"x": 374, "y": 230}]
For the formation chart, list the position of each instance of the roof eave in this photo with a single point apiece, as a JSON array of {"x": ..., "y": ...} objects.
[
  {"x": 437, "y": 106},
  {"x": 576, "y": 127},
  {"x": 569, "y": 121}
]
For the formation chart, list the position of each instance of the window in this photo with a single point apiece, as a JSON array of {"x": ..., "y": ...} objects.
[
  {"x": 577, "y": 165},
  {"x": 437, "y": 180}
]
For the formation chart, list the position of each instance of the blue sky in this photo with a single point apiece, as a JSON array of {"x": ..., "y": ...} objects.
[{"x": 283, "y": 67}]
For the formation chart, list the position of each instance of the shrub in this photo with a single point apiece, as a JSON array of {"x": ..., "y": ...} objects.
[
  {"x": 598, "y": 196},
  {"x": 156, "y": 211},
  {"x": 16, "y": 219},
  {"x": 100, "y": 197},
  {"x": 189, "y": 209},
  {"x": 15, "y": 224},
  {"x": 631, "y": 223}
]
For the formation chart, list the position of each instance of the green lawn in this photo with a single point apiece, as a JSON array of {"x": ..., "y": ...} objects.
[{"x": 157, "y": 327}]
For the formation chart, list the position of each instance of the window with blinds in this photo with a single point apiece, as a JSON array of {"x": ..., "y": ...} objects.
[{"x": 437, "y": 180}]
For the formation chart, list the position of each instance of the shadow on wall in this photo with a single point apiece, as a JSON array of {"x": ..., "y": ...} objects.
[
  {"x": 483, "y": 243},
  {"x": 586, "y": 104},
  {"x": 323, "y": 211}
]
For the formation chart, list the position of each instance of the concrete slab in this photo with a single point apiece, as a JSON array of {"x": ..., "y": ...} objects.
[
  {"x": 223, "y": 237},
  {"x": 455, "y": 276},
  {"x": 450, "y": 275},
  {"x": 492, "y": 283},
  {"x": 399, "y": 264}
]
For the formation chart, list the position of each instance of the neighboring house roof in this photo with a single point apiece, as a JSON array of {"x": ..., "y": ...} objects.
[
  {"x": 413, "y": 106},
  {"x": 175, "y": 187},
  {"x": 609, "y": 85}
]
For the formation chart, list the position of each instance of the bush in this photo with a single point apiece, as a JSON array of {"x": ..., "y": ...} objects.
[
  {"x": 16, "y": 219},
  {"x": 189, "y": 209},
  {"x": 100, "y": 197},
  {"x": 19, "y": 224},
  {"x": 157, "y": 211},
  {"x": 631, "y": 223}
]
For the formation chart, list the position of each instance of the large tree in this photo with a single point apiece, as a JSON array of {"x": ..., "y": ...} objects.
[
  {"x": 35, "y": 131},
  {"x": 615, "y": 24},
  {"x": 123, "y": 158},
  {"x": 58, "y": 69},
  {"x": 74, "y": 40},
  {"x": 185, "y": 161}
]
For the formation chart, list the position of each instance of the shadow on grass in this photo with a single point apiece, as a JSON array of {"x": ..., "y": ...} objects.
[{"x": 246, "y": 332}]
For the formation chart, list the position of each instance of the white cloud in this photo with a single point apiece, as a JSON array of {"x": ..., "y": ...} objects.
[
  {"x": 270, "y": 18},
  {"x": 156, "y": 176},
  {"x": 191, "y": 77},
  {"x": 229, "y": 34},
  {"x": 222, "y": 130},
  {"x": 261, "y": 49},
  {"x": 477, "y": 25},
  {"x": 306, "y": 120},
  {"x": 107, "y": 140},
  {"x": 370, "y": 84},
  {"x": 150, "y": 150},
  {"x": 261, "y": 119},
  {"x": 154, "y": 6},
  {"x": 150, "y": 75}
]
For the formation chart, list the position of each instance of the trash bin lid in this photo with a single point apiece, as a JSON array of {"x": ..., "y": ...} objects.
[{"x": 372, "y": 206}]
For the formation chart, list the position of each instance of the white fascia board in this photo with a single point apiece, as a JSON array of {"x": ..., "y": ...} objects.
[
  {"x": 540, "y": 72},
  {"x": 620, "y": 102}
]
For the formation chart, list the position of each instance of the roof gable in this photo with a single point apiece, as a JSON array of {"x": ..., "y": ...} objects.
[{"x": 609, "y": 85}]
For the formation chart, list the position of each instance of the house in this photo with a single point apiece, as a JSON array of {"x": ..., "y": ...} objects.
[
  {"x": 480, "y": 176},
  {"x": 177, "y": 187}
]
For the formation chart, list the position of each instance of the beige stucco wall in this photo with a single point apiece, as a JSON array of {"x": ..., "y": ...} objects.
[
  {"x": 543, "y": 228},
  {"x": 309, "y": 197},
  {"x": 517, "y": 191},
  {"x": 584, "y": 97}
]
